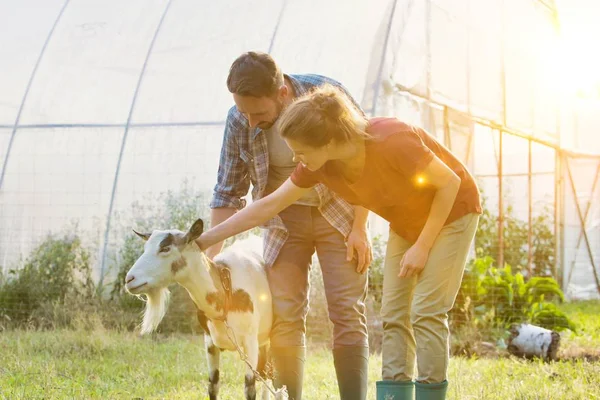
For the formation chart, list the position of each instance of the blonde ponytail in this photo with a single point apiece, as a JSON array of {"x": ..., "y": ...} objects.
[{"x": 323, "y": 115}]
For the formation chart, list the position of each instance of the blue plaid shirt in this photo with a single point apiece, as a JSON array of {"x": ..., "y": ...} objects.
[{"x": 245, "y": 160}]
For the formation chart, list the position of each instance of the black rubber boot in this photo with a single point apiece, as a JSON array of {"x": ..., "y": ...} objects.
[
  {"x": 352, "y": 370},
  {"x": 288, "y": 363}
]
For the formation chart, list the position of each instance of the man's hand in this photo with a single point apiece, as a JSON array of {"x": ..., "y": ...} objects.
[
  {"x": 414, "y": 261},
  {"x": 359, "y": 241}
]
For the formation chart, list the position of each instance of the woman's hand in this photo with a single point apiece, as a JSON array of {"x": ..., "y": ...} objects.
[
  {"x": 255, "y": 214},
  {"x": 414, "y": 261},
  {"x": 358, "y": 240}
]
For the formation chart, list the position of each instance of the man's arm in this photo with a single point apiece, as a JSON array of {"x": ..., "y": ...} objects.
[
  {"x": 358, "y": 240},
  {"x": 233, "y": 179}
]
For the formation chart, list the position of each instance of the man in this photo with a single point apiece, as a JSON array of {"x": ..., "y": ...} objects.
[{"x": 254, "y": 153}]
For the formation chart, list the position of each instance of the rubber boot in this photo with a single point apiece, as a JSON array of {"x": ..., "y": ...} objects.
[
  {"x": 431, "y": 391},
  {"x": 395, "y": 390},
  {"x": 352, "y": 370},
  {"x": 288, "y": 363}
]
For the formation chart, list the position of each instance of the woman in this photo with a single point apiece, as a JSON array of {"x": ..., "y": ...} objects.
[{"x": 431, "y": 201}]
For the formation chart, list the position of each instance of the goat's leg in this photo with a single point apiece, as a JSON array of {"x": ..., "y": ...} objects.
[
  {"x": 213, "y": 354},
  {"x": 251, "y": 349},
  {"x": 261, "y": 368}
]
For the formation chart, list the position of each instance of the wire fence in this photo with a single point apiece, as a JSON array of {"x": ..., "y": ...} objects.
[{"x": 80, "y": 171}]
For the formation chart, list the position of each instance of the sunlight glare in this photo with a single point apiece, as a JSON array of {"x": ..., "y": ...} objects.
[{"x": 577, "y": 62}]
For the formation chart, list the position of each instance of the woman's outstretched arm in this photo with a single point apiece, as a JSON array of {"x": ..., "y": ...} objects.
[{"x": 254, "y": 215}]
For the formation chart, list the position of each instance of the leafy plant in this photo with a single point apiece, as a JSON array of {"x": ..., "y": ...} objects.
[
  {"x": 498, "y": 298},
  {"x": 376, "y": 271},
  {"x": 515, "y": 240},
  {"x": 57, "y": 268}
]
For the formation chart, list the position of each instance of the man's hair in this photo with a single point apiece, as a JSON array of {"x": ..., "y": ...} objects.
[{"x": 254, "y": 74}]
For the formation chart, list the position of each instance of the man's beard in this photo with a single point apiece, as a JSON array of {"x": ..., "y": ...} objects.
[{"x": 265, "y": 125}]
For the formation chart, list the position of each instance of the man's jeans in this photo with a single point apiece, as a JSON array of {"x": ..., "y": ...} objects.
[{"x": 345, "y": 289}]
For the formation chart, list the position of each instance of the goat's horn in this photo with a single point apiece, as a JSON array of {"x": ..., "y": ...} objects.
[{"x": 144, "y": 236}]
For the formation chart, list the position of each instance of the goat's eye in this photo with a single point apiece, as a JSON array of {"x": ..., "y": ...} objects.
[{"x": 164, "y": 249}]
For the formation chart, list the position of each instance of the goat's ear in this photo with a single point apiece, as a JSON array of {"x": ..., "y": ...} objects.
[
  {"x": 144, "y": 236},
  {"x": 195, "y": 231}
]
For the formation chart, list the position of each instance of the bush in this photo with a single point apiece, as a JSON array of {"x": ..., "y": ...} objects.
[
  {"x": 492, "y": 297},
  {"x": 515, "y": 240},
  {"x": 57, "y": 268}
]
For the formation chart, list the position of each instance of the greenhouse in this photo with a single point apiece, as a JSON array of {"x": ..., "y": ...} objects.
[{"x": 109, "y": 109}]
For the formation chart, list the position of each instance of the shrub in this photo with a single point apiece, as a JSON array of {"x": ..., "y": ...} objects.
[
  {"x": 492, "y": 297},
  {"x": 515, "y": 240},
  {"x": 57, "y": 268}
]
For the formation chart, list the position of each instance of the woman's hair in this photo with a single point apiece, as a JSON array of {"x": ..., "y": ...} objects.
[{"x": 322, "y": 115}]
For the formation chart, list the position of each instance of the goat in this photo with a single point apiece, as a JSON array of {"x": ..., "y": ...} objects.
[{"x": 173, "y": 256}]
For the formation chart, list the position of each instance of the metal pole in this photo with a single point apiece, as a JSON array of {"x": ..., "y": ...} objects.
[
  {"x": 382, "y": 62},
  {"x": 122, "y": 150},
  {"x": 585, "y": 215},
  {"x": 582, "y": 221},
  {"x": 500, "y": 206},
  {"x": 530, "y": 216},
  {"x": 558, "y": 220},
  {"x": 447, "y": 137},
  {"x": 13, "y": 134},
  {"x": 500, "y": 131}
]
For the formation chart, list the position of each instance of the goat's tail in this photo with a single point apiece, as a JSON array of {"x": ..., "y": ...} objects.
[{"x": 156, "y": 306}]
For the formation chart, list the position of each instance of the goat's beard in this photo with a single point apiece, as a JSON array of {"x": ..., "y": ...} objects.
[{"x": 156, "y": 306}]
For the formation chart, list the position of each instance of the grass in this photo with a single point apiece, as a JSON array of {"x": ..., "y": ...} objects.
[
  {"x": 106, "y": 364},
  {"x": 585, "y": 343}
]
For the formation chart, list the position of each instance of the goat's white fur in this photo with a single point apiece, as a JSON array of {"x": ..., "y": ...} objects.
[
  {"x": 152, "y": 273},
  {"x": 156, "y": 307}
]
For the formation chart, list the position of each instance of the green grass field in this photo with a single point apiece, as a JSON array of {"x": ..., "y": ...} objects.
[{"x": 101, "y": 364}]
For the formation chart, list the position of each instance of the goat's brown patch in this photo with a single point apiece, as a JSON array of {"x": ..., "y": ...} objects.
[
  {"x": 166, "y": 242},
  {"x": 178, "y": 264},
  {"x": 172, "y": 240},
  {"x": 240, "y": 301},
  {"x": 215, "y": 299}
]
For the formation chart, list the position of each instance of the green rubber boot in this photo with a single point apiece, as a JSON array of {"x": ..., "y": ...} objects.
[
  {"x": 431, "y": 391},
  {"x": 352, "y": 370},
  {"x": 395, "y": 390},
  {"x": 288, "y": 363}
]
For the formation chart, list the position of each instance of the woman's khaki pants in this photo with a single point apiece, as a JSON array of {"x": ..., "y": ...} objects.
[{"x": 415, "y": 309}]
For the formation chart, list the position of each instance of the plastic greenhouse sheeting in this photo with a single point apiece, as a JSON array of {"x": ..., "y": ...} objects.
[
  {"x": 582, "y": 198},
  {"x": 106, "y": 105}
]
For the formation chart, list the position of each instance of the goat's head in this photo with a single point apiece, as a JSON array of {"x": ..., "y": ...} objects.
[{"x": 157, "y": 267}]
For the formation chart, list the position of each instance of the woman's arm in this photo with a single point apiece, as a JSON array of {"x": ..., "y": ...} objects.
[
  {"x": 447, "y": 183},
  {"x": 255, "y": 214}
]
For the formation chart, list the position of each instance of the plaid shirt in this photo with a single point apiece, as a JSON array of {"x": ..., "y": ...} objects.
[{"x": 245, "y": 159}]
